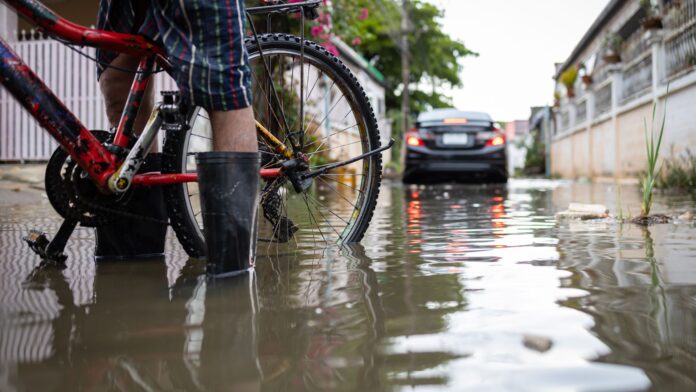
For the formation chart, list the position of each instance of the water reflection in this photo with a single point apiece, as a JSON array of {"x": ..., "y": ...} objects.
[
  {"x": 644, "y": 286},
  {"x": 445, "y": 291},
  {"x": 139, "y": 333}
]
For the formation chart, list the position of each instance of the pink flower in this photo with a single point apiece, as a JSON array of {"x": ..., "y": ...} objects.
[
  {"x": 324, "y": 18},
  {"x": 364, "y": 14},
  {"x": 356, "y": 41},
  {"x": 316, "y": 30},
  {"x": 331, "y": 48}
]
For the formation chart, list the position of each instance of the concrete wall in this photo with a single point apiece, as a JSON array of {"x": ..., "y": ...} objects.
[
  {"x": 603, "y": 151},
  {"x": 630, "y": 130},
  {"x": 612, "y": 144},
  {"x": 581, "y": 154},
  {"x": 615, "y": 146},
  {"x": 562, "y": 158},
  {"x": 681, "y": 120}
]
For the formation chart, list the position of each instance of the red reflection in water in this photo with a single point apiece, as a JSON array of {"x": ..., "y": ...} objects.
[
  {"x": 497, "y": 211},
  {"x": 414, "y": 211},
  {"x": 414, "y": 215}
]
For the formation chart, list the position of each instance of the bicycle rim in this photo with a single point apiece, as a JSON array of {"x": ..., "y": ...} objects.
[{"x": 338, "y": 205}]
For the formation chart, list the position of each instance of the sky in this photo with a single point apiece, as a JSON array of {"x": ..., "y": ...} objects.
[{"x": 518, "y": 42}]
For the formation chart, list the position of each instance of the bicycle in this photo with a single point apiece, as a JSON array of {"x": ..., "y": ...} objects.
[{"x": 320, "y": 181}]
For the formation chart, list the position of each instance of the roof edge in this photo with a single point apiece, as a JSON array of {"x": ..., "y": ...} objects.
[
  {"x": 607, "y": 13},
  {"x": 357, "y": 59}
]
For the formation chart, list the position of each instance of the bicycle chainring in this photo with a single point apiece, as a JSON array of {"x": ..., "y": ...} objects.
[{"x": 73, "y": 194}]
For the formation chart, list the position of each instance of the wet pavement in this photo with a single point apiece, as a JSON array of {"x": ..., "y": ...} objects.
[{"x": 460, "y": 287}]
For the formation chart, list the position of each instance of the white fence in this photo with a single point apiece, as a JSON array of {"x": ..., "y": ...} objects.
[{"x": 73, "y": 79}]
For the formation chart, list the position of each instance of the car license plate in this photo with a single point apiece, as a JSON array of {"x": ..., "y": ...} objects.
[{"x": 455, "y": 139}]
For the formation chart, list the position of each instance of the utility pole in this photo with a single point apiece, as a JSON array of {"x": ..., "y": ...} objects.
[{"x": 405, "y": 66}]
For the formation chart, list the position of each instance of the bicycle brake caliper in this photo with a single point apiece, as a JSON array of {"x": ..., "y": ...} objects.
[{"x": 293, "y": 170}]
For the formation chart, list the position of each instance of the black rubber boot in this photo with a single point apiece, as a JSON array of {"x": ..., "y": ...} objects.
[
  {"x": 228, "y": 184},
  {"x": 126, "y": 238}
]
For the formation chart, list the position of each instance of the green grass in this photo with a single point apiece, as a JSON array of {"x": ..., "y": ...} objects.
[
  {"x": 678, "y": 173},
  {"x": 653, "y": 149}
]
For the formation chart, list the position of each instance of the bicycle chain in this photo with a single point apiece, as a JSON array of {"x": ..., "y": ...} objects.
[
  {"x": 271, "y": 203},
  {"x": 63, "y": 182},
  {"x": 67, "y": 200}
]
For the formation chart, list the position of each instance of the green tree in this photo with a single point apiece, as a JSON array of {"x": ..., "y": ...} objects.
[{"x": 436, "y": 57}]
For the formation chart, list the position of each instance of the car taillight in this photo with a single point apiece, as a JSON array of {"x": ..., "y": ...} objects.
[
  {"x": 413, "y": 139},
  {"x": 497, "y": 140}
]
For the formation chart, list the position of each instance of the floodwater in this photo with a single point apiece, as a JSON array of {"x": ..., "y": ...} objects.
[{"x": 455, "y": 287}]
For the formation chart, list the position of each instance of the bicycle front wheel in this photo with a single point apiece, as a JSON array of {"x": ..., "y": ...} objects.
[{"x": 309, "y": 99}]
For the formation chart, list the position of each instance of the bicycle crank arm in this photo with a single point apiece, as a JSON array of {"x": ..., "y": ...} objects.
[{"x": 336, "y": 165}]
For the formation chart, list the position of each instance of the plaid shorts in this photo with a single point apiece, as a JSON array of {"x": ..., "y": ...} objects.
[{"x": 203, "y": 39}]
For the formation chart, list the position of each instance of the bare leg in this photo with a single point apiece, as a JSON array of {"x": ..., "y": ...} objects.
[
  {"x": 115, "y": 85},
  {"x": 143, "y": 238},
  {"x": 234, "y": 131}
]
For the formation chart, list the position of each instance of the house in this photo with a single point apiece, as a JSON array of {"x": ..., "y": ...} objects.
[
  {"x": 625, "y": 63},
  {"x": 516, "y": 132},
  {"x": 72, "y": 77}
]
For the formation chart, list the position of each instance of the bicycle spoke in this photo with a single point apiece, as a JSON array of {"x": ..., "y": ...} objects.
[
  {"x": 325, "y": 220},
  {"x": 317, "y": 104},
  {"x": 314, "y": 218},
  {"x": 336, "y": 191},
  {"x": 344, "y": 184},
  {"x": 270, "y": 108},
  {"x": 335, "y": 133},
  {"x": 330, "y": 111},
  {"x": 333, "y": 148},
  {"x": 328, "y": 209}
]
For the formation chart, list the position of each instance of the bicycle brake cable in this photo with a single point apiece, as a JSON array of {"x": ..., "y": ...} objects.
[{"x": 72, "y": 47}]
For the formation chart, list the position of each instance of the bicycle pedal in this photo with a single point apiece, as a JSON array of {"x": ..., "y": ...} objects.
[{"x": 37, "y": 241}]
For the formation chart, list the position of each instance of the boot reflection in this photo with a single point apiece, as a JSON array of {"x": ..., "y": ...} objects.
[
  {"x": 139, "y": 333},
  {"x": 229, "y": 358}
]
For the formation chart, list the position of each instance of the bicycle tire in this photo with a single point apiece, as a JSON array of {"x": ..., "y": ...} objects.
[{"x": 179, "y": 202}]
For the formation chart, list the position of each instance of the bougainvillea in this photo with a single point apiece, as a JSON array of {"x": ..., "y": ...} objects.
[
  {"x": 323, "y": 29},
  {"x": 373, "y": 28}
]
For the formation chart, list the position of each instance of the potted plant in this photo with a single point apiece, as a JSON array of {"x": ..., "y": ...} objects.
[
  {"x": 652, "y": 19},
  {"x": 556, "y": 99},
  {"x": 585, "y": 77},
  {"x": 612, "y": 48},
  {"x": 568, "y": 78}
]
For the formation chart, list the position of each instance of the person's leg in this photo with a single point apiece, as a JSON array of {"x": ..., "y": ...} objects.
[
  {"x": 234, "y": 130},
  {"x": 115, "y": 86},
  {"x": 144, "y": 238},
  {"x": 210, "y": 65}
]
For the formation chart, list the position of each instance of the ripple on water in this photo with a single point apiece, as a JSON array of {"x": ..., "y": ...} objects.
[{"x": 448, "y": 287}]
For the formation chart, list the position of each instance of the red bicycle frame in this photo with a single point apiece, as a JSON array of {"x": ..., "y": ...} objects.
[{"x": 56, "y": 118}]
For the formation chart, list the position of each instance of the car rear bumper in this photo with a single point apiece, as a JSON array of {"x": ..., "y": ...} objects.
[{"x": 488, "y": 160}]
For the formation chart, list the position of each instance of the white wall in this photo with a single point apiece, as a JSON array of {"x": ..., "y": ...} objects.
[{"x": 8, "y": 23}]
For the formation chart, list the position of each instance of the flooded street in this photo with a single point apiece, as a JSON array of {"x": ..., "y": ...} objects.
[{"x": 462, "y": 287}]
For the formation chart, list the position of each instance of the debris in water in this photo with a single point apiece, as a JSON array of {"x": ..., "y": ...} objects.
[
  {"x": 584, "y": 212},
  {"x": 651, "y": 219},
  {"x": 687, "y": 216},
  {"x": 538, "y": 343}
]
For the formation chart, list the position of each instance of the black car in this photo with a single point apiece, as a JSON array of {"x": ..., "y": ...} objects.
[{"x": 449, "y": 144}]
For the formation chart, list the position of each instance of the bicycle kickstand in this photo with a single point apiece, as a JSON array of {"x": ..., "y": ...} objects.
[{"x": 51, "y": 250}]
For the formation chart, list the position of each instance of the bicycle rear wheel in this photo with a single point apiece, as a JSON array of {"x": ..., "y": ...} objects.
[{"x": 308, "y": 98}]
